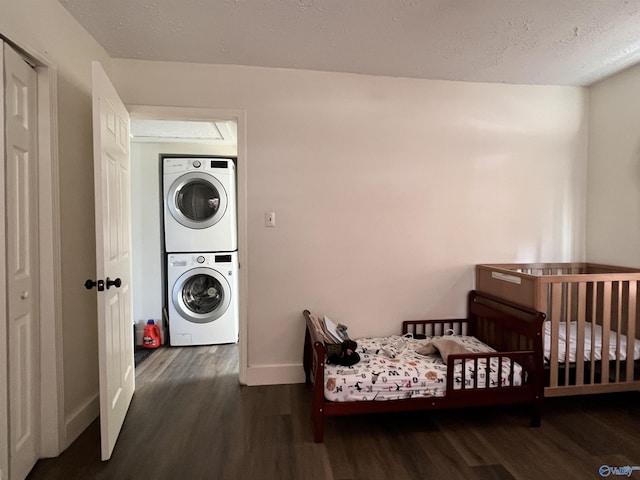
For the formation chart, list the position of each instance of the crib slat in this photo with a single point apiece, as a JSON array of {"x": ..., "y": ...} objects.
[
  {"x": 631, "y": 328},
  {"x": 619, "y": 329},
  {"x": 606, "y": 328},
  {"x": 580, "y": 318},
  {"x": 593, "y": 321},
  {"x": 556, "y": 298},
  {"x": 567, "y": 330}
]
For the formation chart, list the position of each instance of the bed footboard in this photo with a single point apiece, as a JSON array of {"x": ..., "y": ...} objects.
[
  {"x": 473, "y": 388},
  {"x": 514, "y": 332}
]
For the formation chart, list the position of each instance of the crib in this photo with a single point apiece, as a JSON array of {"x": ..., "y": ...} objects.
[{"x": 592, "y": 330}]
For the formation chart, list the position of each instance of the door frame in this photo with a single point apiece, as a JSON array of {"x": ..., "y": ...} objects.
[
  {"x": 52, "y": 432},
  {"x": 157, "y": 112}
]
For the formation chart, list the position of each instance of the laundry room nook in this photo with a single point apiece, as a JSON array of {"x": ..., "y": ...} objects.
[{"x": 184, "y": 231}]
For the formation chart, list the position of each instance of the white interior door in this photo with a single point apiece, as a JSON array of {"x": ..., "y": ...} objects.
[
  {"x": 113, "y": 257},
  {"x": 22, "y": 274}
]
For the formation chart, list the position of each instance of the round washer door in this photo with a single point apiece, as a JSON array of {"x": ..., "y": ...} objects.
[
  {"x": 197, "y": 200},
  {"x": 201, "y": 295}
]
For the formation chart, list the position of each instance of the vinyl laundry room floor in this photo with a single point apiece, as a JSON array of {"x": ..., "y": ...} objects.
[{"x": 190, "y": 419}]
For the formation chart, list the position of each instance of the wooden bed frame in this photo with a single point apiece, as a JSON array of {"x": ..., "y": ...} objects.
[
  {"x": 513, "y": 331},
  {"x": 584, "y": 293}
]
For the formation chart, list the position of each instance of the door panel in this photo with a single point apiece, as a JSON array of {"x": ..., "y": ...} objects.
[
  {"x": 21, "y": 190},
  {"x": 113, "y": 258}
]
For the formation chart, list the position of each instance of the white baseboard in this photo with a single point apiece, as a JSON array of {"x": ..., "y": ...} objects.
[
  {"x": 274, "y": 374},
  {"x": 78, "y": 421}
]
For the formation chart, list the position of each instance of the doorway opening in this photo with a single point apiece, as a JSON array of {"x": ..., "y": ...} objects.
[{"x": 157, "y": 133}]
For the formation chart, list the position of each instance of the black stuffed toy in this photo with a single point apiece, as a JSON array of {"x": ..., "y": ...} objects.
[{"x": 348, "y": 355}]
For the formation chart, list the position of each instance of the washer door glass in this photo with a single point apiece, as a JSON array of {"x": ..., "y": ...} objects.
[
  {"x": 202, "y": 294},
  {"x": 198, "y": 201}
]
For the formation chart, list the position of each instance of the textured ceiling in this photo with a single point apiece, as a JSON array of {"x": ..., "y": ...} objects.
[{"x": 559, "y": 42}]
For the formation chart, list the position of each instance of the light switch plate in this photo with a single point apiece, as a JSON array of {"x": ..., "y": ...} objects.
[{"x": 269, "y": 219}]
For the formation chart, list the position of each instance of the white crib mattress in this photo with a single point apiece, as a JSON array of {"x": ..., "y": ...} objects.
[
  {"x": 390, "y": 369},
  {"x": 589, "y": 330}
]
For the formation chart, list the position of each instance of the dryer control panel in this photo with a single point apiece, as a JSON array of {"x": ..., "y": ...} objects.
[
  {"x": 195, "y": 259},
  {"x": 184, "y": 165}
]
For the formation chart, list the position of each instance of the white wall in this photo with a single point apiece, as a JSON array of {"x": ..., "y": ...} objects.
[
  {"x": 387, "y": 191},
  {"x": 146, "y": 224},
  {"x": 613, "y": 222},
  {"x": 45, "y": 27}
]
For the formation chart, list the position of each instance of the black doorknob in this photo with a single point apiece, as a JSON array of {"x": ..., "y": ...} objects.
[
  {"x": 113, "y": 283},
  {"x": 89, "y": 284}
]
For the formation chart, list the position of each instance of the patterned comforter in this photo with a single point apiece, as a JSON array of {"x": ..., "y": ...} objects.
[{"x": 390, "y": 369}]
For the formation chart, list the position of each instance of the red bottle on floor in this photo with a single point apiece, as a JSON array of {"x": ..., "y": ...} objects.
[{"x": 151, "y": 336}]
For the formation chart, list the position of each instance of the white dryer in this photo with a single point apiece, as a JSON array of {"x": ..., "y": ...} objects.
[
  {"x": 199, "y": 205},
  {"x": 203, "y": 298}
]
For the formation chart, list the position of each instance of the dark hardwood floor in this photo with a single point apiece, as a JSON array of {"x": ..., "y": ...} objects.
[{"x": 190, "y": 419}]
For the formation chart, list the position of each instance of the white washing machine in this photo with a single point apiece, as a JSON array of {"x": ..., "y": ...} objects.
[
  {"x": 203, "y": 298},
  {"x": 199, "y": 205}
]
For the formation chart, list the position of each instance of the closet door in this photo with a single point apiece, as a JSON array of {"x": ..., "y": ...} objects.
[{"x": 21, "y": 267}]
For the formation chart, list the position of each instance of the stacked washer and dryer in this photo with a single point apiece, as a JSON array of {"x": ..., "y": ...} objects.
[{"x": 200, "y": 225}]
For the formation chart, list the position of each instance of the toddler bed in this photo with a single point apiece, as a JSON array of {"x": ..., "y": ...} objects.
[
  {"x": 592, "y": 331},
  {"x": 492, "y": 357}
]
